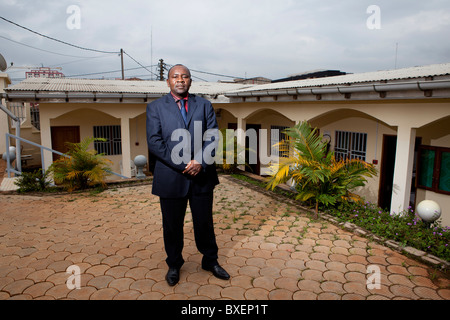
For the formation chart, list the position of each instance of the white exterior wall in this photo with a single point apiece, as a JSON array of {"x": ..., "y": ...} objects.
[{"x": 426, "y": 119}]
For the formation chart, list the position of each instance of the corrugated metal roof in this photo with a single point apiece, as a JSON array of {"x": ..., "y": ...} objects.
[
  {"x": 377, "y": 76},
  {"x": 117, "y": 86},
  {"x": 217, "y": 88}
]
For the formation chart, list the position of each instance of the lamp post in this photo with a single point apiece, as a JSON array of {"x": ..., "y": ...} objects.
[
  {"x": 140, "y": 161},
  {"x": 429, "y": 211},
  {"x": 10, "y": 156}
]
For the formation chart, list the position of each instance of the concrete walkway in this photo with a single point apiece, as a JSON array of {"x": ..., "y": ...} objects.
[
  {"x": 271, "y": 249},
  {"x": 8, "y": 184}
]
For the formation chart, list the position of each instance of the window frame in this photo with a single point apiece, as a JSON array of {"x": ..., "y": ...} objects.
[
  {"x": 350, "y": 145},
  {"x": 109, "y": 147},
  {"x": 436, "y": 168},
  {"x": 281, "y": 137}
]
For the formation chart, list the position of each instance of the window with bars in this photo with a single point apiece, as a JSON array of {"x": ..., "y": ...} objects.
[
  {"x": 19, "y": 110},
  {"x": 113, "y": 144},
  {"x": 35, "y": 117},
  {"x": 277, "y": 135},
  {"x": 350, "y": 145}
]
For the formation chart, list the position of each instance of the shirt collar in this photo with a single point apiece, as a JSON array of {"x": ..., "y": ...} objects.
[{"x": 178, "y": 99}]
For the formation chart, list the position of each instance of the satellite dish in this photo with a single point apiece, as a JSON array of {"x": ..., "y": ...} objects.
[{"x": 3, "y": 65}]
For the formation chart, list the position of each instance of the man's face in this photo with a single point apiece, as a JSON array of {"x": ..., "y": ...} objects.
[{"x": 179, "y": 81}]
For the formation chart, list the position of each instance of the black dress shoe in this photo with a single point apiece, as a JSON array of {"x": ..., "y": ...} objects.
[
  {"x": 218, "y": 272},
  {"x": 173, "y": 276}
]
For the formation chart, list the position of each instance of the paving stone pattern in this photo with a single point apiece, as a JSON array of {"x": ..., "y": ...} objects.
[{"x": 272, "y": 250}]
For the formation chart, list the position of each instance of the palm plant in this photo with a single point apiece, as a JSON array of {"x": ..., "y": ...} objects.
[
  {"x": 316, "y": 173},
  {"x": 80, "y": 168}
]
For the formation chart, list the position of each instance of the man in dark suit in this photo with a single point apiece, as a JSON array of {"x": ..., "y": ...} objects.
[{"x": 182, "y": 173}]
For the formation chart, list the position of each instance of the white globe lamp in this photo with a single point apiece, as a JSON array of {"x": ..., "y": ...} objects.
[
  {"x": 429, "y": 211},
  {"x": 140, "y": 161},
  {"x": 12, "y": 154}
]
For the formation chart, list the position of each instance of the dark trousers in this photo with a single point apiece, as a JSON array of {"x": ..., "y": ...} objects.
[{"x": 173, "y": 213}]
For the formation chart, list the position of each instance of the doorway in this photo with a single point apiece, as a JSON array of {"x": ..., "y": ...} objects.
[
  {"x": 255, "y": 167},
  {"x": 61, "y": 135},
  {"x": 387, "y": 172}
]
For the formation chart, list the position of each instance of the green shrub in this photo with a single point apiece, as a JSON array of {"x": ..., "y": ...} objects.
[
  {"x": 405, "y": 227},
  {"x": 32, "y": 181}
]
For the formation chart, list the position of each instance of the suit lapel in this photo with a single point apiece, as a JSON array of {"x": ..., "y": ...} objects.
[
  {"x": 172, "y": 107},
  {"x": 192, "y": 106}
]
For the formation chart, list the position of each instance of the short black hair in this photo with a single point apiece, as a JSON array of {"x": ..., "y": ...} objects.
[{"x": 178, "y": 65}]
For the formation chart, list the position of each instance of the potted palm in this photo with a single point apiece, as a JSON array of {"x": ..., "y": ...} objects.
[
  {"x": 317, "y": 175},
  {"x": 80, "y": 168}
]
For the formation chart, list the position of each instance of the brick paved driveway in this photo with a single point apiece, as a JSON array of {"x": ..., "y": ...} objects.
[{"x": 271, "y": 249}]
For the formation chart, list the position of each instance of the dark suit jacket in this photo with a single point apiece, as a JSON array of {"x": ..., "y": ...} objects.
[{"x": 165, "y": 143}]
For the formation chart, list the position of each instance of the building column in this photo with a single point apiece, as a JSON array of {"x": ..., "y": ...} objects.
[
  {"x": 126, "y": 148},
  {"x": 404, "y": 161},
  {"x": 46, "y": 141},
  {"x": 240, "y": 134}
]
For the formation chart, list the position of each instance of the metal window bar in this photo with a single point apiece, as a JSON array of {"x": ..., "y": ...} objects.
[
  {"x": 10, "y": 170},
  {"x": 113, "y": 143},
  {"x": 277, "y": 135},
  {"x": 35, "y": 116},
  {"x": 116, "y": 140},
  {"x": 341, "y": 148},
  {"x": 350, "y": 145}
]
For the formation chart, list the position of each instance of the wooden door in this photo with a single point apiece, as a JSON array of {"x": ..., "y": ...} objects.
[{"x": 61, "y": 135}]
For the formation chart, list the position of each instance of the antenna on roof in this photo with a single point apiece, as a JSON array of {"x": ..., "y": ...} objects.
[
  {"x": 396, "y": 54},
  {"x": 151, "y": 50}
]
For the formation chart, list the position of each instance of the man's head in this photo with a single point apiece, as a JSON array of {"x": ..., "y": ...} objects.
[{"x": 179, "y": 80}]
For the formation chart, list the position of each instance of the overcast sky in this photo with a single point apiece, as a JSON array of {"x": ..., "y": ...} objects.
[{"x": 240, "y": 38}]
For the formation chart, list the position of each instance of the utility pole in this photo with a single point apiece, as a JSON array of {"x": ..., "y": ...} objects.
[
  {"x": 121, "y": 59},
  {"x": 161, "y": 70}
]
